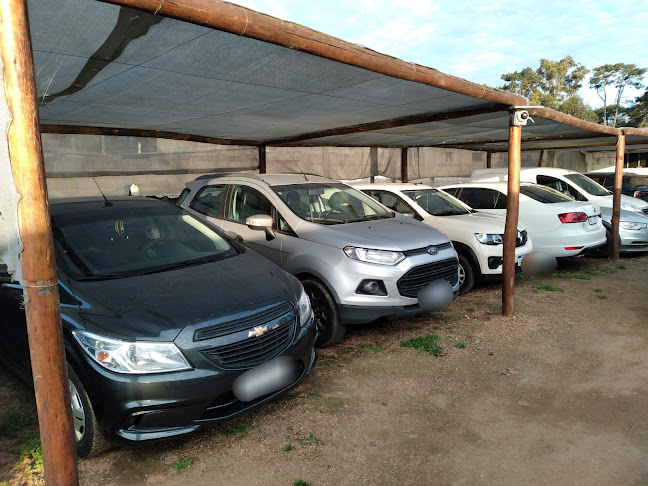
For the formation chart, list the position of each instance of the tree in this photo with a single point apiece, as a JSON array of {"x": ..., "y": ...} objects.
[
  {"x": 638, "y": 112},
  {"x": 617, "y": 76},
  {"x": 551, "y": 85},
  {"x": 577, "y": 107}
]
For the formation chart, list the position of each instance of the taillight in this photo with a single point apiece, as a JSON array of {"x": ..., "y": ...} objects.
[
  {"x": 640, "y": 194},
  {"x": 573, "y": 217}
]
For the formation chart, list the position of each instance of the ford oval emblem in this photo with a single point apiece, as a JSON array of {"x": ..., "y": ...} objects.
[{"x": 432, "y": 250}]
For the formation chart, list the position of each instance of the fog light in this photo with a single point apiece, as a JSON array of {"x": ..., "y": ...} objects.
[{"x": 371, "y": 287}]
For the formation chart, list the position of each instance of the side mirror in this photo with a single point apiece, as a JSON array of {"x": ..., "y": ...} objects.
[
  {"x": 235, "y": 236},
  {"x": 409, "y": 214},
  {"x": 261, "y": 222}
]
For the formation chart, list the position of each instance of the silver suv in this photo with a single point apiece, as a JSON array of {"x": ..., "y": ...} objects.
[{"x": 357, "y": 260}]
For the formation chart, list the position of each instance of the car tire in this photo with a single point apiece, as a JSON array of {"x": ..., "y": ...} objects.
[
  {"x": 467, "y": 274},
  {"x": 87, "y": 433},
  {"x": 330, "y": 329}
]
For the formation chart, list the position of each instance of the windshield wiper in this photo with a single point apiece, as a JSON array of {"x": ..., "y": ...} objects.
[
  {"x": 102, "y": 276},
  {"x": 173, "y": 266},
  {"x": 326, "y": 220}
]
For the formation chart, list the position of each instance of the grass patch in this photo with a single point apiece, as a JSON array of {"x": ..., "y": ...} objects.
[
  {"x": 301, "y": 482},
  {"x": 314, "y": 394},
  {"x": 546, "y": 288},
  {"x": 15, "y": 420},
  {"x": 373, "y": 349},
  {"x": 468, "y": 336},
  {"x": 413, "y": 328},
  {"x": 584, "y": 274},
  {"x": 311, "y": 439},
  {"x": 601, "y": 297},
  {"x": 621, "y": 267},
  {"x": 598, "y": 290},
  {"x": 288, "y": 448},
  {"x": 32, "y": 451},
  {"x": 428, "y": 344},
  {"x": 182, "y": 464},
  {"x": 240, "y": 429},
  {"x": 460, "y": 345}
]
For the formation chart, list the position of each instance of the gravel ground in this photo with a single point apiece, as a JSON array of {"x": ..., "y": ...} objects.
[{"x": 555, "y": 395}]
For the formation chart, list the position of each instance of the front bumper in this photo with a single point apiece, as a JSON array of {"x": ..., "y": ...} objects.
[{"x": 135, "y": 408}]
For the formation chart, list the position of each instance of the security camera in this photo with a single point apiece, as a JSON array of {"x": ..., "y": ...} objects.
[{"x": 520, "y": 117}]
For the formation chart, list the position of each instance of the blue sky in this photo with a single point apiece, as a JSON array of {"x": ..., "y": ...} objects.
[{"x": 481, "y": 40}]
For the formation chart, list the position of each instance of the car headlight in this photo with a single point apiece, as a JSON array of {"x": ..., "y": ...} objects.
[
  {"x": 304, "y": 308},
  {"x": 131, "y": 357},
  {"x": 628, "y": 225},
  {"x": 383, "y": 257},
  {"x": 490, "y": 239},
  {"x": 631, "y": 207}
]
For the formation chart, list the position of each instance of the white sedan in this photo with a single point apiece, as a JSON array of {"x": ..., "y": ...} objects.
[
  {"x": 557, "y": 225},
  {"x": 476, "y": 236}
]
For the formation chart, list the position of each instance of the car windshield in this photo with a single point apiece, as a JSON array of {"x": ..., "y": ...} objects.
[
  {"x": 133, "y": 239},
  {"x": 637, "y": 181},
  {"x": 437, "y": 203},
  {"x": 545, "y": 195},
  {"x": 330, "y": 203},
  {"x": 587, "y": 184}
]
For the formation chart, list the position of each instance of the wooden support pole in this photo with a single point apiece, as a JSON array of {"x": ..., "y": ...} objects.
[
  {"x": 404, "y": 165},
  {"x": 262, "y": 159},
  {"x": 540, "y": 158},
  {"x": 616, "y": 198},
  {"x": 39, "y": 280},
  {"x": 512, "y": 212},
  {"x": 489, "y": 160}
]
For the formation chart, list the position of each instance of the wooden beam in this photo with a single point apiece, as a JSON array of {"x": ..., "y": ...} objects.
[
  {"x": 559, "y": 117},
  {"x": 39, "y": 279},
  {"x": 616, "y": 198},
  {"x": 255, "y": 25},
  {"x": 262, "y": 159},
  {"x": 387, "y": 124},
  {"x": 489, "y": 160},
  {"x": 134, "y": 132},
  {"x": 404, "y": 162},
  {"x": 512, "y": 213}
]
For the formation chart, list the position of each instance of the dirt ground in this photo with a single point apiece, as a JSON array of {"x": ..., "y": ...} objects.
[{"x": 554, "y": 396}]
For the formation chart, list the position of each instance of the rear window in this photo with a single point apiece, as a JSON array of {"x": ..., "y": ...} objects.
[
  {"x": 638, "y": 181},
  {"x": 544, "y": 194}
]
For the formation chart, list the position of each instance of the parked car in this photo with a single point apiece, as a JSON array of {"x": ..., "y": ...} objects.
[
  {"x": 357, "y": 260},
  {"x": 168, "y": 325},
  {"x": 556, "y": 224},
  {"x": 476, "y": 236},
  {"x": 633, "y": 231},
  {"x": 574, "y": 184},
  {"x": 631, "y": 185}
]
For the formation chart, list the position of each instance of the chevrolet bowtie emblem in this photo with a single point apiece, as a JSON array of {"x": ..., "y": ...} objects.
[{"x": 258, "y": 331}]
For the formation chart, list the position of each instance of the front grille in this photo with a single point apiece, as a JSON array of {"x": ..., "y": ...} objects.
[
  {"x": 240, "y": 350},
  {"x": 421, "y": 251},
  {"x": 521, "y": 241},
  {"x": 224, "y": 326},
  {"x": 413, "y": 281}
]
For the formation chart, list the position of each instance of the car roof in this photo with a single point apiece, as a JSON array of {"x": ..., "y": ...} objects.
[
  {"x": 532, "y": 170},
  {"x": 89, "y": 204},
  {"x": 400, "y": 186},
  {"x": 499, "y": 185},
  {"x": 269, "y": 179}
]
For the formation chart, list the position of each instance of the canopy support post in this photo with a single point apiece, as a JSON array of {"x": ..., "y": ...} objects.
[
  {"x": 616, "y": 198},
  {"x": 489, "y": 160},
  {"x": 262, "y": 159},
  {"x": 517, "y": 119},
  {"x": 39, "y": 279},
  {"x": 404, "y": 164}
]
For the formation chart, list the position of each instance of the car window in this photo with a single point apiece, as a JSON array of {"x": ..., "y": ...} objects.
[
  {"x": 391, "y": 200},
  {"x": 635, "y": 182},
  {"x": 209, "y": 200},
  {"x": 481, "y": 198},
  {"x": 543, "y": 194},
  {"x": 330, "y": 203},
  {"x": 560, "y": 186},
  {"x": 453, "y": 191},
  {"x": 588, "y": 185},
  {"x": 437, "y": 202},
  {"x": 247, "y": 201}
]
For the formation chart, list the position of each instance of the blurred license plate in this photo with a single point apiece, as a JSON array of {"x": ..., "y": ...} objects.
[
  {"x": 592, "y": 219},
  {"x": 518, "y": 261},
  {"x": 269, "y": 377}
]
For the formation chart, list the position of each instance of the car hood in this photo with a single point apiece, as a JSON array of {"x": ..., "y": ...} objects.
[
  {"x": 158, "y": 306},
  {"x": 606, "y": 201},
  {"x": 396, "y": 234},
  {"x": 477, "y": 222}
]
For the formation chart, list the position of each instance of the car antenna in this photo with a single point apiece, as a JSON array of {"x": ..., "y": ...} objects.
[
  {"x": 300, "y": 170},
  {"x": 107, "y": 204}
]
